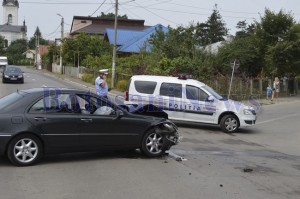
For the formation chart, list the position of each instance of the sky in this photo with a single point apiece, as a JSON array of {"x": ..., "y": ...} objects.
[{"x": 174, "y": 13}]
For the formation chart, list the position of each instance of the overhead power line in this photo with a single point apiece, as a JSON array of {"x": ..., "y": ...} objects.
[
  {"x": 60, "y": 3},
  {"x": 98, "y": 8},
  {"x": 155, "y": 14}
]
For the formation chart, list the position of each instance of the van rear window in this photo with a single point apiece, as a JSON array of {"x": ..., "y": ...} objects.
[
  {"x": 171, "y": 90},
  {"x": 146, "y": 87}
]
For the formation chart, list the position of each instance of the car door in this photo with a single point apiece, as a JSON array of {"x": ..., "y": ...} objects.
[
  {"x": 196, "y": 104},
  {"x": 54, "y": 118},
  {"x": 100, "y": 126},
  {"x": 170, "y": 95}
]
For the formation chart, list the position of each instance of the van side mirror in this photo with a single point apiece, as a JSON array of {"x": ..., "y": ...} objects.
[{"x": 210, "y": 98}]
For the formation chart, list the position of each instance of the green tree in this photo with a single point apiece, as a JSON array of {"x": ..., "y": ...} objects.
[
  {"x": 278, "y": 37},
  {"x": 284, "y": 55},
  {"x": 246, "y": 50},
  {"x": 212, "y": 31},
  {"x": 15, "y": 51},
  {"x": 112, "y": 15},
  {"x": 32, "y": 40},
  {"x": 244, "y": 29},
  {"x": 84, "y": 48},
  {"x": 175, "y": 43},
  {"x": 2, "y": 45}
]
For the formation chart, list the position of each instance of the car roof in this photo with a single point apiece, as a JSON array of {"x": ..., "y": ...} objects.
[
  {"x": 168, "y": 79},
  {"x": 12, "y": 67},
  {"x": 51, "y": 89}
]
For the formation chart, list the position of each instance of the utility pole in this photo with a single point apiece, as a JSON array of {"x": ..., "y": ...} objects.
[
  {"x": 37, "y": 51},
  {"x": 115, "y": 47},
  {"x": 234, "y": 66},
  {"x": 61, "y": 42}
]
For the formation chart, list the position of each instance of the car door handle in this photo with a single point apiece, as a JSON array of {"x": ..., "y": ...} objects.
[
  {"x": 86, "y": 120},
  {"x": 40, "y": 118}
]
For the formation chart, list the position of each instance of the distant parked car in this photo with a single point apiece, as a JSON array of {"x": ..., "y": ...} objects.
[
  {"x": 42, "y": 121},
  {"x": 3, "y": 62},
  {"x": 12, "y": 74}
]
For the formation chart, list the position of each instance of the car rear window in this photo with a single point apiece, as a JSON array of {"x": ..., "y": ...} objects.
[
  {"x": 171, "y": 90},
  {"x": 146, "y": 87},
  {"x": 9, "y": 99}
]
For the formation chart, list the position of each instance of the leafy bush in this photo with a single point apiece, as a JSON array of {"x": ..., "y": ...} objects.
[
  {"x": 122, "y": 85},
  {"x": 87, "y": 77}
]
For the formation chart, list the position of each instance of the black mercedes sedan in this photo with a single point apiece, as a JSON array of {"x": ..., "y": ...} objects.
[
  {"x": 12, "y": 74},
  {"x": 41, "y": 121}
]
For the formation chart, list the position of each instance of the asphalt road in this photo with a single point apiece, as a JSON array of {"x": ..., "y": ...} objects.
[{"x": 262, "y": 161}]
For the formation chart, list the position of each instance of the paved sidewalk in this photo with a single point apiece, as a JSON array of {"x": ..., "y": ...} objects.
[{"x": 114, "y": 93}]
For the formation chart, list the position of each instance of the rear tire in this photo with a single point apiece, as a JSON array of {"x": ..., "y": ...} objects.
[
  {"x": 229, "y": 123},
  {"x": 24, "y": 150},
  {"x": 154, "y": 144}
]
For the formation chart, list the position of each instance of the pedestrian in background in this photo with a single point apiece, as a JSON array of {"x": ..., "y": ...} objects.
[
  {"x": 276, "y": 88},
  {"x": 291, "y": 85},
  {"x": 101, "y": 84},
  {"x": 269, "y": 92}
]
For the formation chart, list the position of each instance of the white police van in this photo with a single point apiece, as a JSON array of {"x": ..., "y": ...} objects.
[{"x": 189, "y": 100}]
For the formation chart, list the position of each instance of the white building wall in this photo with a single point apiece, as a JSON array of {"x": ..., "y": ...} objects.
[{"x": 12, "y": 36}]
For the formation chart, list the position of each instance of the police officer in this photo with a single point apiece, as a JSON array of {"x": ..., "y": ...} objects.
[{"x": 101, "y": 84}]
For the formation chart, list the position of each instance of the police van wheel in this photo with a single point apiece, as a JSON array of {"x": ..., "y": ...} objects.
[{"x": 229, "y": 123}]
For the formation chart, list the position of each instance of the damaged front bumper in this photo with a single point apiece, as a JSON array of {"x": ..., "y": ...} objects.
[{"x": 170, "y": 132}]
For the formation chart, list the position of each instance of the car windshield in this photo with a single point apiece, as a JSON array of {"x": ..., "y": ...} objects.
[
  {"x": 9, "y": 99},
  {"x": 212, "y": 92},
  {"x": 13, "y": 70},
  {"x": 3, "y": 60}
]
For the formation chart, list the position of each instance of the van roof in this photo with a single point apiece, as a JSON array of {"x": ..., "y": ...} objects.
[{"x": 168, "y": 79}]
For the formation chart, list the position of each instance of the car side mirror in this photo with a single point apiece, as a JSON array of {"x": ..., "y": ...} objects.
[
  {"x": 119, "y": 114},
  {"x": 210, "y": 98}
]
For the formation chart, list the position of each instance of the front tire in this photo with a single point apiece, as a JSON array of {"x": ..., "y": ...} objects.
[
  {"x": 153, "y": 144},
  {"x": 24, "y": 150},
  {"x": 229, "y": 123}
]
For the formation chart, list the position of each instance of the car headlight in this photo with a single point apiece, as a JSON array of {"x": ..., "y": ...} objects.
[
  {"x": 168, "y": 127},
  {"x": 6, "y": 76},
  {"x": 20, "y": 76},
  {"x": 249, "y": 112}
]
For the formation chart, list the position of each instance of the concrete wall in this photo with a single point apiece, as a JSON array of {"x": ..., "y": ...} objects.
[
  {"x": 56, "y": 68},
  {"x": 71, "y": 71},
  {"x": 67, "y": 70}
]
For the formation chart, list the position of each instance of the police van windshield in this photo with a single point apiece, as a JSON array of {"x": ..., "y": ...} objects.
[{"x": 212, "y": 92}]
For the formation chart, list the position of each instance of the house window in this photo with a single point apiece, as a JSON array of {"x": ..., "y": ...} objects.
[{"x": 9, "y": 20}]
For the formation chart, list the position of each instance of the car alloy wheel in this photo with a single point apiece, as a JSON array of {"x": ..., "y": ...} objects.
[
  {"x": 229, "y": 124},
  {"x": 24, "y": 150},
  {"x": 153, "y": 144}
]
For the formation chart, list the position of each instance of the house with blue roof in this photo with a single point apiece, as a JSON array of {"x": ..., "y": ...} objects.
[{"x": 133, "y": 41}]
